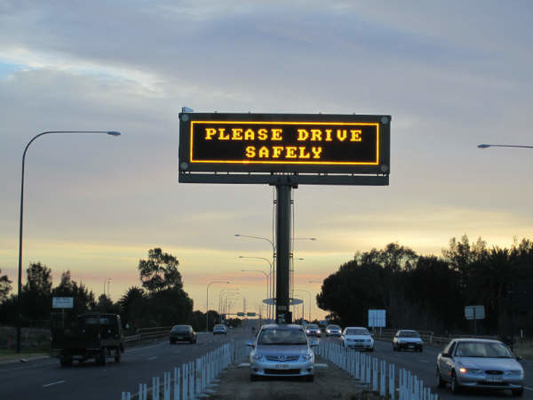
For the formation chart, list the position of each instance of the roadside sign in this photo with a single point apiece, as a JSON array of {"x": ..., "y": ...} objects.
[
  {"x": 297, "y": 144},
  {"x": 475, "y": 312},
  {"x": 63, "y": 302},
  {"x": 377, "y": 318},
  {"x": 250, "y": 314}
]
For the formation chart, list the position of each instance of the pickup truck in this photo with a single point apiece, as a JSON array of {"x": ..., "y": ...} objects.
[{"x": 91, "y": 336}]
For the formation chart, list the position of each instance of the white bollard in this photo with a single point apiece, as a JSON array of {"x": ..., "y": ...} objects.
[
  {"x": 374, "y": 374},
  {"x": 155, "y": 388},
  {"x": 166, "y": 385},
  {"x": 177, "y": 387},
  {"x": 382, "y": 378},
  {"x": 392, "y": 381},
  {"x": 143, "y": 391},
  {"x": 185, "y": 382}
]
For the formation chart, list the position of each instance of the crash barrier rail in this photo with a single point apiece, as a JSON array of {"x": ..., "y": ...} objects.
[
  {"x": 148, "y": 333},
  {"x": 427, "y": 336},
  {"x": 376, "y": 374},
  {"x": 191, "y": 379}
]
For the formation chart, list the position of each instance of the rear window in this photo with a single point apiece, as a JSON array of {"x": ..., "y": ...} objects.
[
  {"x": 357, "y": 332},
  {"x": 409, "y": 334},
  {"x": 181, "y": 328}
]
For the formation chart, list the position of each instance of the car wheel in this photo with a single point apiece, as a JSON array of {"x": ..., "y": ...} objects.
[
  {"x": 456, "y": 388},
  {"x": 253, "y": 378},
  {"x": 117, "y": 355},
  {"x": 420, "y": 350},
  {"x": 517, "y": 392},
  {"x": 440, "y": 382},
  {"x": 309, "y": 378}
]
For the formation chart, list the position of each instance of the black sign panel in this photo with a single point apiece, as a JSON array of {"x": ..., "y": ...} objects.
[{"x": 284, "y": 143}]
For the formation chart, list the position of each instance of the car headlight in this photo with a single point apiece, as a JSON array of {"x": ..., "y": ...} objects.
[
  {"x": 473, "y": 371},
  {"x": 307, "y": 357},
  {"x": 258, "y": 357},
  {"x": 514, "y": 372}
]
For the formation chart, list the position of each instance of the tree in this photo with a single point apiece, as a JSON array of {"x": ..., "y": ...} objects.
[
  {"x": 132, "y": 306},
  {"x": 5, "y": 287},
  {"x": 83, "y": 297},
  {"x": 160, "y": 271},
  {"x": 36, "y": 297}
]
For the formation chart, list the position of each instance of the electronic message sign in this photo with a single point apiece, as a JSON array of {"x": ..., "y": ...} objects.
[{"x": 266, "y": 144}]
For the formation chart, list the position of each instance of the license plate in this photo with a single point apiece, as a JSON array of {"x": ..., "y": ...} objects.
[
  {"x": 411, "y": 346},
  {"x": 494, "y": 379},
  {"x": 282, "y": 366}
]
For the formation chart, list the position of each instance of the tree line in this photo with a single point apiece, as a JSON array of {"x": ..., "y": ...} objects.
[
  {"x": 430, "y": 292},
  {"x": 159, "y": 301}
]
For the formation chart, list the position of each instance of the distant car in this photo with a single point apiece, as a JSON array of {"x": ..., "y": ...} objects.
[
  {"x": 182, "y": 333},
  {"x": 282, "y": 350},
  {"x": 220, "y": 329},
  {"x": 313, "y": 330},
  {"x": 355, "y": 337},
  {"x": 333, "y": 330},
  {"x": 408, "y": 340},
  {"x": 479, "y": 363}
]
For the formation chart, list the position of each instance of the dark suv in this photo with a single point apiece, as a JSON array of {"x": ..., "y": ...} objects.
[{"x": 182, "y": 333}]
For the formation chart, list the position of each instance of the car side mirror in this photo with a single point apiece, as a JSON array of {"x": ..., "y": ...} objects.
[
  {"x": 519, "y": 358},
  {"x": 250, "y": 344},
  {"x": 445, "y": 355}
]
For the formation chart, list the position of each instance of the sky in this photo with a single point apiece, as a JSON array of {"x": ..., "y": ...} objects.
[{"x": 452, "y": 75}]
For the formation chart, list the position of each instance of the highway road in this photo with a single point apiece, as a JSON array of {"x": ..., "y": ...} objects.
[
  {"x": 45, "y": 380},
  {"x": 423, "y": 366}
]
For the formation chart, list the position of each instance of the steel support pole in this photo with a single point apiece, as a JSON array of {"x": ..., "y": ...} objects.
[{"x": 283, "y": 233}]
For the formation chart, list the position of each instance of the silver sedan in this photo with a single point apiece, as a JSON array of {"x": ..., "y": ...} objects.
[
  {"x": 479, "y": 363},
  {"x": 282, "y": 350}
]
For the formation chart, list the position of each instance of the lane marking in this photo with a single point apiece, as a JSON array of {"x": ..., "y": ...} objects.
[
  {"x": 424, "y": 361},
  {"x": 319, "y": 365},
  {"x": 152, "y": 358},
  {"x": 54, "y": 383},
  {"x": 528, "y": 388}
]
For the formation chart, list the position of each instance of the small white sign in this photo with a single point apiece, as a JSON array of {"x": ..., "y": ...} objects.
[
  {"x": 63, "y": 302},
  {"x": 475, "y": 312},
  {"x": 377, "y": 318}
]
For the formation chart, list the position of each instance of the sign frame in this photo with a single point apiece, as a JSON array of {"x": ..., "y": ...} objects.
[{"x": 220, "y": 167}]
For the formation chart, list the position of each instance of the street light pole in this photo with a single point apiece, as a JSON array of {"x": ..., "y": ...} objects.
[
  {"x": 310, "y": 304},
  {"x": 271, "y": 292},
  {"x": 486, "y": 146},
  {"x": 19, "y": 310},
  {"x": 263, "y": 272},
  {"x": 207, "y": 303}
]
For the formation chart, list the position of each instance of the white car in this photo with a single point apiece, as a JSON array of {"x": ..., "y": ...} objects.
[
  {"x": 355, "y": 337},
  {"x": 407, "y": 339},
  {"x": 479, "y": 363},
  {"x": 220, "y": 329},
  {"x": 282, "y": 351}
]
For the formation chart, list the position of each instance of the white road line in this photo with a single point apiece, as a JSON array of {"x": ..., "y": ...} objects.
[
  {"x": 424, "y": 361},
  {"x": 528, "y": 388},
  {"x": 318, "y": 365},
  {"x": 152, "y": 358},
  {"x": 54, "y": 383}
]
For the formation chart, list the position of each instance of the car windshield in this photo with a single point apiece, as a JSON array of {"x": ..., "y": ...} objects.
[
  {"x": 312, "y": 326},
  {"x": 219, "y": 327},
  {"x": 334, "y": 327},
  {"x": 278, "y": 336},
  {"x": 409, "y": 334},
  {"x": 180, "y": 328},
  {"x": 354, "y": 331},
  {"x": 482, "y": 349}
]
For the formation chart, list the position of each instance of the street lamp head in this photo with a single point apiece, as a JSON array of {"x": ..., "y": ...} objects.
[
  {"x": 113, "y": 133},
  {"x": 483, "y": 146}
]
